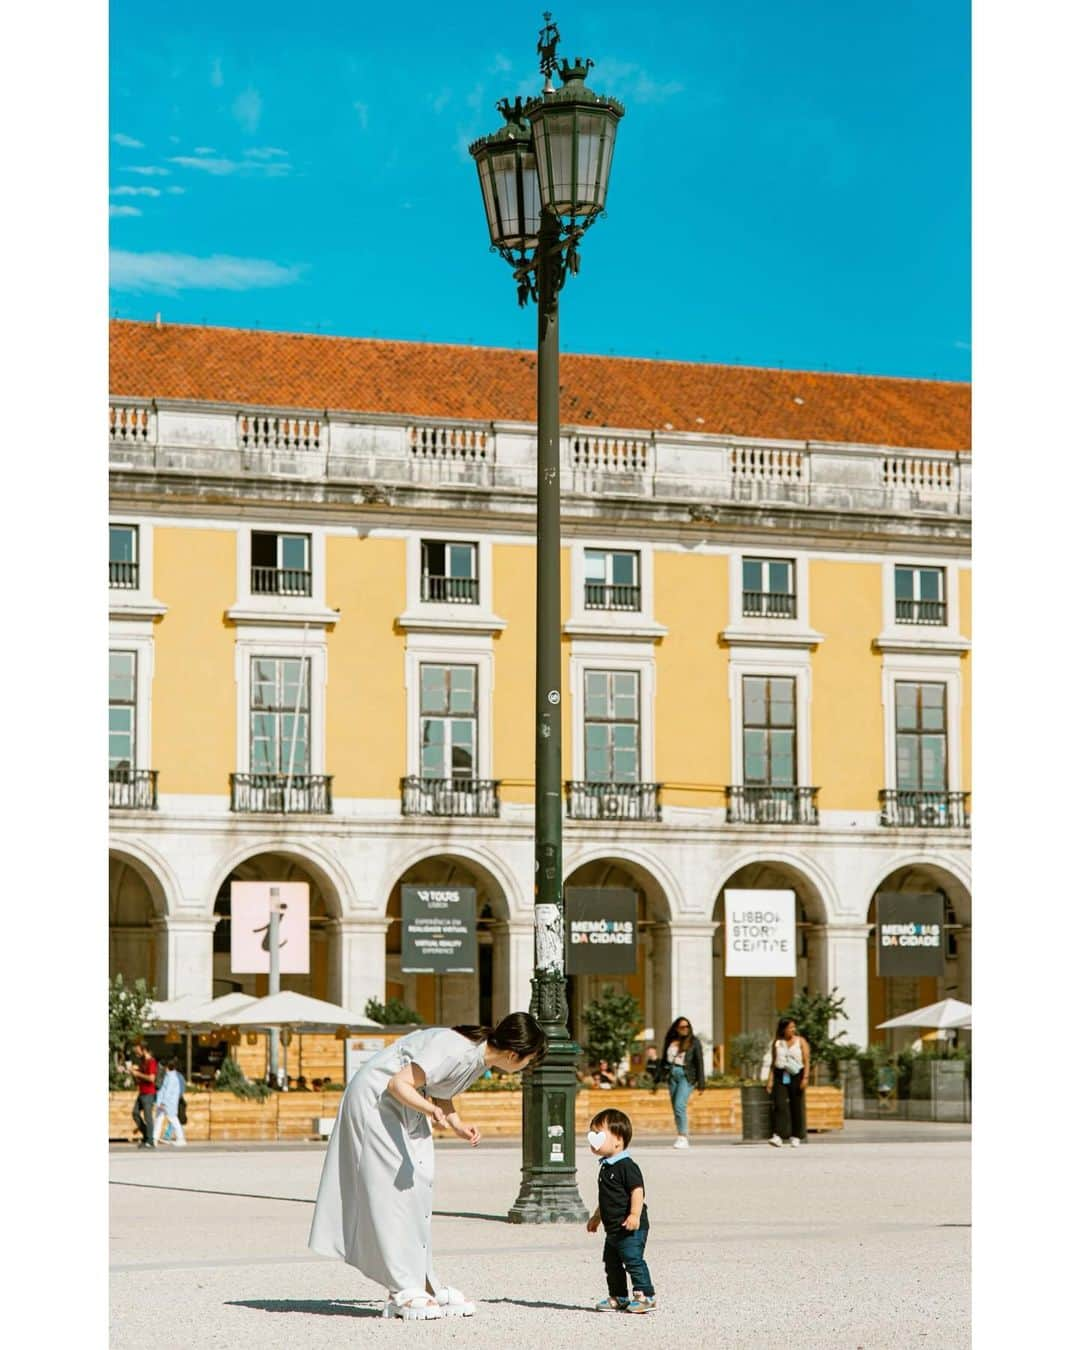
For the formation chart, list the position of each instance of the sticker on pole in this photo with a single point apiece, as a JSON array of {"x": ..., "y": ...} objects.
[
  {"x": 553, "y": 696},
  {"x": 249, "y": 914}
]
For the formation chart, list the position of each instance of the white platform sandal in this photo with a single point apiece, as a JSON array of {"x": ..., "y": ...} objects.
[
  {"x": 412, "y": 1305},
  {"x": 453, "y": 1303}
]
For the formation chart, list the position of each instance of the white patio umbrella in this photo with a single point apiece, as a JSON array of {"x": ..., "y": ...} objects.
[
  {"x": 174, "y": 1010},
  {"x": 210, "y": 1013},
  {"x": 947, "y": 1015},
  {"x": 297, "y": 1011}
]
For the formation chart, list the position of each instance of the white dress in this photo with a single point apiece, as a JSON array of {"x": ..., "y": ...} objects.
[{"x": 374, "y": 1203}]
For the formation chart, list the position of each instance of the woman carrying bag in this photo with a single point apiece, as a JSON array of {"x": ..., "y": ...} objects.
[
  {"x": 682, "y": 1064},
  {"x": 789, "y": 1065}
]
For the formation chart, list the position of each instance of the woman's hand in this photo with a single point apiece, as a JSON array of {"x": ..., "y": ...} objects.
[
  {"x": 438, "y": 1117},
  {"x": 802, "y": 1085},
  {"x": 469, "y": 1133},
  {"x": 768, "y": 1084}
]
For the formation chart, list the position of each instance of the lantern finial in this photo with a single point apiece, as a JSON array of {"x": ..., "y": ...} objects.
[{"x": 549, "y": 41}]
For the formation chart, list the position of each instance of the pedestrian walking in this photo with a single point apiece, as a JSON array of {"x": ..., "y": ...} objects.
[
  {"x": 167, "y": 1109},
  {"x": 373, "y": 1208},
  {"x": 789, "y": 1066},
  {"x": 682, "y": 1064},
  {"x": 144, "y": 1070},
  {"x": 622, "y": 1210}
]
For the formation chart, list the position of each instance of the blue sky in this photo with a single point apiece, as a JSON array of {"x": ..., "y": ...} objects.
[{"x": 790, "y": 187}]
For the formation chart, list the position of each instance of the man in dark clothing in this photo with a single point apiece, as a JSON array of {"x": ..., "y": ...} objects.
[{"x": 144, "y": 1071}]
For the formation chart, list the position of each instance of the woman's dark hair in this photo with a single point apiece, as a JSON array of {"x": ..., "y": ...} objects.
[
  {"x": 783, "y": 1025},
  {"x": 673, "y": 1035},
  {"x": 616, "y": 1123},
  {"x": 172, "y": 1062},
  {"x": 518, "y": 1032}
]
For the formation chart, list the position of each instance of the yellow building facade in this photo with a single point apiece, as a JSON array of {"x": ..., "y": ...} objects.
[{"x": 322, "y": 658}]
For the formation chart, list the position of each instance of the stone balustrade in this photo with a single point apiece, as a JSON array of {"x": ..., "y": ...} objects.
[{"x": 703, "y": 471}]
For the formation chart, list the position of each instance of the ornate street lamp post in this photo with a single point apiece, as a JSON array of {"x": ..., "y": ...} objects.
[{"x": 544, "y": 180}]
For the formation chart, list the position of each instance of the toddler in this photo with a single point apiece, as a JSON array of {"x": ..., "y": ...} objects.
[{"x": 623, "y": 1213}]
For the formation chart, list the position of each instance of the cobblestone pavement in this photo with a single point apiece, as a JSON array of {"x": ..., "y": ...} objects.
[{"x": 859, "y": 1239}]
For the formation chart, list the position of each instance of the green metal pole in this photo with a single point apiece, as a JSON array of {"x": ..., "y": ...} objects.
[{"x": 549, "y": 1192}]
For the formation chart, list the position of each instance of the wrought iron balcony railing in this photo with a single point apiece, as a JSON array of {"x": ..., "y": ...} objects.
[
  {"x": 919, "y": 810},
  {"x": 449, "y": 797},
  {"x": 920, "y": 611},
  {"x": 450, "y": 590},
  {"x": 768, "y": 605},
  {"x": 763, "y": 804},
  {"x": 600, "y": 596},
  {"x": 133, "y": 789},
  {"x": 123, "y": 576},
  {"x": 613, "y": 801},
  {"x": 280, "y": 581},
  {"x": 280, "y": 794}
]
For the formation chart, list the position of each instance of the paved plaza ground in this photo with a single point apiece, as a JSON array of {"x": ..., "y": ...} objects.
[{"x": 860, "y": 1239}]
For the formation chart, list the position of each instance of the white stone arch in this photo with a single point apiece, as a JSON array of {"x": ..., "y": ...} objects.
[
  {"x": 501, "y": 878},
  {"x": 950, "y": 873},
  {"x": 656, "y": 878},
  {"x": 335, "y": 884},
  {"x": 822, "y": 888},
  {"x": 153, "y": 870}
]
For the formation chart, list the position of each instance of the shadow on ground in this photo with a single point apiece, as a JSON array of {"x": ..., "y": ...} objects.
[
  {"x": 539, "y": 1303},
  {"x": 318, "y": 1307},
  {"x": 465, "y": 1214}
]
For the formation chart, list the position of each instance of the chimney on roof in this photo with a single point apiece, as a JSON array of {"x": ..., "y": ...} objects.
[{"x": 157, "y": 319}]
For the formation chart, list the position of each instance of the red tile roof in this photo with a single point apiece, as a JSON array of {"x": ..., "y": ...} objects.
[{"x": 302, "y": 370}]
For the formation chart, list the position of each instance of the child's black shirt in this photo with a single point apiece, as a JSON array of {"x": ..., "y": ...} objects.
[{"x": 616, "y": 1182}]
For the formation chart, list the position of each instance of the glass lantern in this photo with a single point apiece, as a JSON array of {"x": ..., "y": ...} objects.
[
  {"x": 574, "y": 136},
  {"x": 508, "y": 180}
]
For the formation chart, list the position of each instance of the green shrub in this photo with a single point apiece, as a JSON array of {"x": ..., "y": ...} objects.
[
  {"x": 813, "y": 1013},
  {"x": 231, "y": 1078},
  {"x": 129, "y": 1020},
  {"x": 747, "y": 1053},
  {"x": 392, "y": 1013},
  {"x": 613, "y": 1021}
]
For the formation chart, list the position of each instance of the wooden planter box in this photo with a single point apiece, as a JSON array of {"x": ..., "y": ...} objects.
[{"x": 292, "y": 1115}]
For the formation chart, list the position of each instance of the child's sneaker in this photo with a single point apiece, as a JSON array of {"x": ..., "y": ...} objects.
[
  {"x": 641, "y": 1303},
  {"x": 776, "y": 1141},
  {"x": 612, "y": 1305}
]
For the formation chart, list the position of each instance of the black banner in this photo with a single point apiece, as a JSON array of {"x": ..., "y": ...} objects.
[
  {"x": 438, "y": 930},
  {"x": 910, "y": 937},
  {"x": 601, "y": 930}
]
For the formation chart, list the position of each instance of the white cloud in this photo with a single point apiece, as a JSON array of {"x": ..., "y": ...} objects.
[
  {"x": 217, "y": 79},
  {"x": 361, "y": 110},
  {"x": 221, "y": 168},
  {"x": 627, "y": 80},
  {"x": 441, "y": 100},
  {"x": 205, "y": 150},
  {"x": 170, "y": 273},
  {"x": 135, "y": 191},
  {"x": 266, "y": 152},
  {"x": 247, "y": 109},
  {"x": 147, "y": 170},
  {"x": 128, "y": 142},
  {"x": 502, "y": 65},
  {"x": 961, "y": 345},
  {"x": 124, "y": 210},
  {"x": 176, "y": 191},
  {"x": 175, "y": 140}
]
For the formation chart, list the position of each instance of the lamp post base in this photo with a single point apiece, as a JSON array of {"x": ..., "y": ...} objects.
[{"x": 549, "y": 1192}]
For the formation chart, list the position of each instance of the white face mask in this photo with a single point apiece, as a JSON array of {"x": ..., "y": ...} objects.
[{"x": 596, "y": 1139}]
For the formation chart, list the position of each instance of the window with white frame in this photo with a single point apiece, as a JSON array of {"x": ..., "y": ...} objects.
[
  {"x": 921, "y": 737},
  {"x": 280, "y": 563},
  {"x": 448, "y": 572},
  {"x": 920, "y": 595},
  {"x": 769, "y": 731},
  {"x": 280, "y": 714},
  {"x": 124, "y": 557},
  {"x": 448, "y": 729},
  {"x": 768, "y": 588},
  {"x": 612, "y": 726},
  {"x": 612, "y": 579},
  {"x": 122, "y": 679}
]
